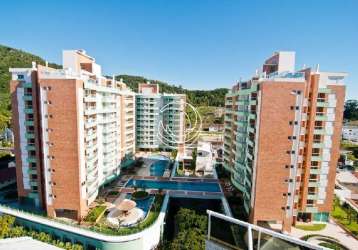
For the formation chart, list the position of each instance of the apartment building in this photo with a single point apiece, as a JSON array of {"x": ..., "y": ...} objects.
[
  {"x": 73, "y": 129},
  {"x": 281, "y": 141},
  {"x": 160, "y": 118}
]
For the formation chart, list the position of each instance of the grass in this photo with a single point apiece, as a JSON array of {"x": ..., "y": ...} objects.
[
  {"x": 94, "y": 213},
  {"x": 314, "y": 227},
  {"x": 342, "y": 217}
]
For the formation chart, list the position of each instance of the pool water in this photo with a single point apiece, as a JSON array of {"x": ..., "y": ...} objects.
[
  {"x": 158, "y": 167},
  {"x": 175, "y": 185},
  {"x": 144, "y": 204}
]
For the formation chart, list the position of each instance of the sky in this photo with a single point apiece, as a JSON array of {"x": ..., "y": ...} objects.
[{"x": 197, "y": 44}]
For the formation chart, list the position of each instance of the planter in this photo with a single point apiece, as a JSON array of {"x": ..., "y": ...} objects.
[{"x": 140, "y": 195}]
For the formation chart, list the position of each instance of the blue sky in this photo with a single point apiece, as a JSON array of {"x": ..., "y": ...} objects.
[{"x": 198, "y": 44}]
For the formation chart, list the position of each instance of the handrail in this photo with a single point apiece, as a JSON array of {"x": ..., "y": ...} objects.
[
  {"x": 259, "y": 229},
  {"x": 80, "y": 230}
]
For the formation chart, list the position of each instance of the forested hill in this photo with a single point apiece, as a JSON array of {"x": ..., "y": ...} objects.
[
  {"x": 12, "y": 58},
  {"x": 15, "y": 58},
  {"x": 214, "y": 97}
]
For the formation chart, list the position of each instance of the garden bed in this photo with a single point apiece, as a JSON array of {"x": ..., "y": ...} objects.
[
  {"x": 148, "y": 221},
  {"x": 341, "y": 216},
  {"x": 95, "y": 214},
  {"x": 140, "y": 195},
  {"x": 314, "y": 227}
]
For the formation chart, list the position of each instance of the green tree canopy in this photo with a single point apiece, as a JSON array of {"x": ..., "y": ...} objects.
[{"x": 351, "y": 110}]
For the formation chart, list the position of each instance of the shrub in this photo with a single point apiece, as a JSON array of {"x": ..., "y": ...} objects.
[
  {"x": 12, "y": 231},
  {"x": 140, "y": 195}
]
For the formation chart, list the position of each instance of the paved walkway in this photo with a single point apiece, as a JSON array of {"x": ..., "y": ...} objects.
[{"x": 332, "y": 230}]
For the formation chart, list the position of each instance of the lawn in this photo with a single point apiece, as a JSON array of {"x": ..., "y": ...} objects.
[
  {"x": 314, "y": 227},
  {"x": 342, "y": 217},
  {"x": 94, "y": 213}
]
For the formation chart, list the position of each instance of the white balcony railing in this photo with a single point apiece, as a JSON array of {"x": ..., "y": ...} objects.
[{"x": 252, "y": 236}]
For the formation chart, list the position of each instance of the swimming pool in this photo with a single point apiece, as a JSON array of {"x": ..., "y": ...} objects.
[
  {"x": 158, "y": 167},
  {"x": 143, "y": 204},
  {"x": 175, "y": 185}
]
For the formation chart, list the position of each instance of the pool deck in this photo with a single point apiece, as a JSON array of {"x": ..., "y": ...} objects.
[
  {"x": 180, "y": 179},
  {"x": 180, "y": 193}
]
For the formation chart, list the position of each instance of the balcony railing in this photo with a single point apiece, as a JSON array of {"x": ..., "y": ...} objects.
[{"x": 247, "y": 236}]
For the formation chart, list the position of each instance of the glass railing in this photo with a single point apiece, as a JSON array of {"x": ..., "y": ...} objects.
[
  {"x": 286, "y": 75},
  {"x": 243, "y": 235}
]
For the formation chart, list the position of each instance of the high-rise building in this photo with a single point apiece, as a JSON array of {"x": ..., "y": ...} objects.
[
  {"x": 160, "y": 118},
  {"x": 73, "y": 129},
  {"x": 281, "y": 141}
]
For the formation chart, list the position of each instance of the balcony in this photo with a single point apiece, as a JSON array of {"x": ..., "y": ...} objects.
[
  {"x": 321, "y": 116},
  {"x": 316, "y": 158},
  {"x": 27, "y": 97},
  {"x": 90, "y": 98},
  {"x": 313, "y": 184},
  {"x": 243, "y": 235},
  {"x": 90, "y": 123},
  {"x": 90, "y": 111},
  {"x": 30, "y": 147},
  {"x": 29, "y": 122},
  {"x": 319, "y": 130},
  {"x": 312, "y": 196},
  {"x": 31, "y": 159},
  {"x": 29, "y": 135},
  {"x": 29, "y": 110}
]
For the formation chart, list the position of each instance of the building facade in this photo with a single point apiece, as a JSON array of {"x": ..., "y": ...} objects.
[
  {"x": 160, "y": 118},
  {"x": 73, "y": 129},
  {"x": 281, "y": 141},
  {"x": 350, "y": 133}
]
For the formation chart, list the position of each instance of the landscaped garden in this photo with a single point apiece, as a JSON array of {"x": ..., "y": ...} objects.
[
  {"x": 10, "y": 230},
  {"x": 325, "y": 241},
  {"x": 313, "y": 227},
  {"x": 191, "y": 231},
  {"x": 345, "y": 216},
  {"x": 140, "y": 195},
  {"x": 103, "y": 227},
  {"x": 95, "y": 213}
]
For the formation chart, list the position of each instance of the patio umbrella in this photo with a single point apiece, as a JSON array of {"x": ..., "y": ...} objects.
[{"x": 126, "y": 205}]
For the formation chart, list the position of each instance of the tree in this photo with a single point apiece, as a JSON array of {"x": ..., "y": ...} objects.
[
  {"x": 193, "y": 162},
  {"x": 351, "y": 110},
  {"x": 191, "y": 239},
  {"x": 191, "y": 230},
  {"x": 174, "y": 154}
]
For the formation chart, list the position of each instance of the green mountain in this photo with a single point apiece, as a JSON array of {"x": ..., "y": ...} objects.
[
  {"x": 12, "y": 58},
  {"x": 15, "y": 58},
  {"x": 214, "y": 97}
]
